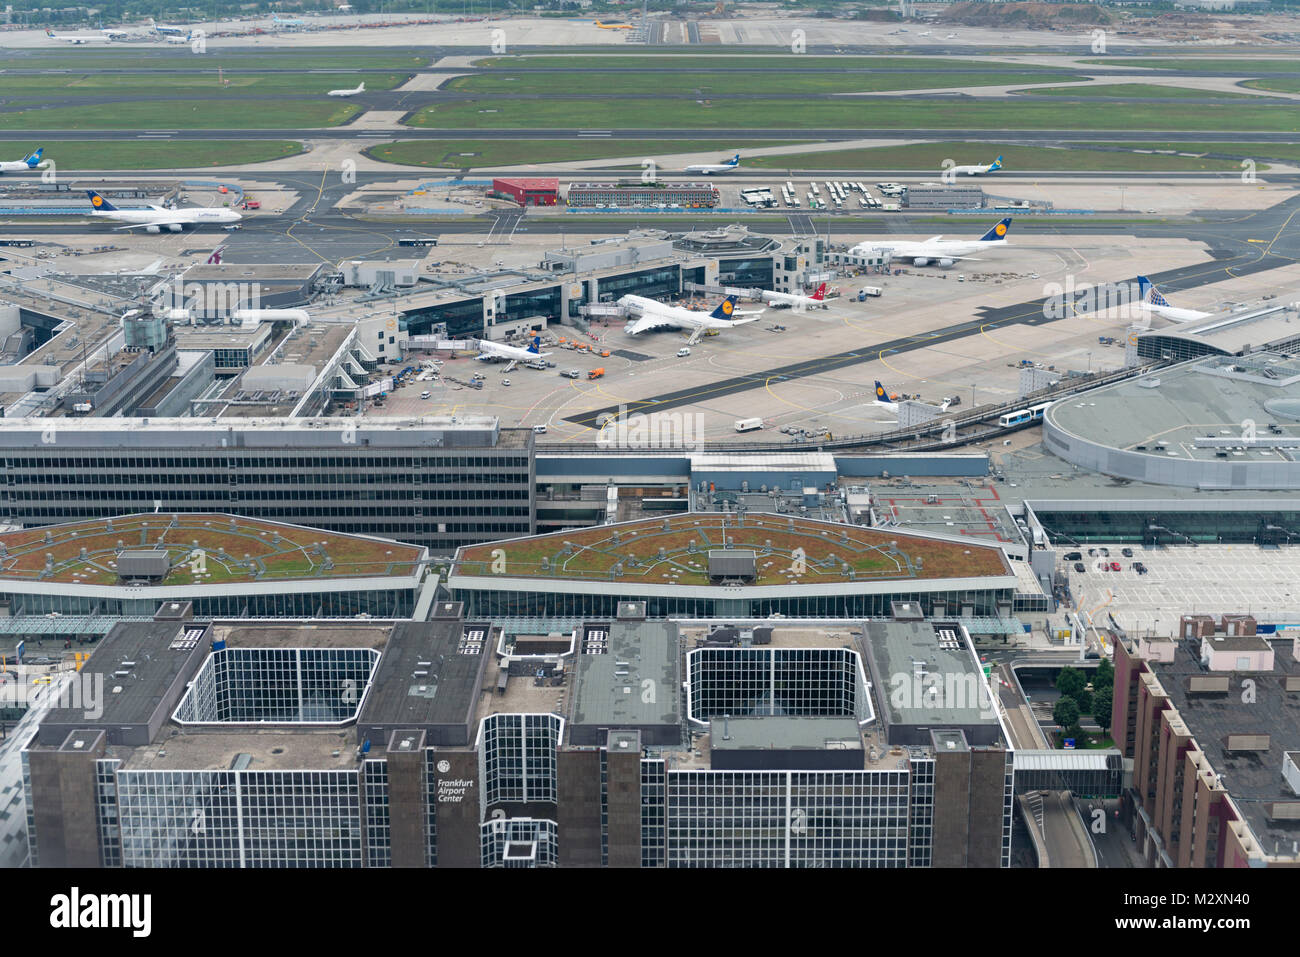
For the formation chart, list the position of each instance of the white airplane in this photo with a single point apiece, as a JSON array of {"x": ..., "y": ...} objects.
[
  {"x": 951, "y": 36},
  {"x": 656, "y": 315},
  {"x": 818, "y": 298},
  {"x": 924, "y": 33},
  {"x": 1152, "y": 301},
  {"x": 167, "y": 31},
  {"x": 890, "y": 403},
  {"x": 976, "y": 170},
  {"x": 78, "y": 38},
  {"x": 709, "y": 169},
  {"x": 489, "y": 350},
  {"x": 178, "y": 39},
  {"x": 155, "y": 219},
  {"x": 936, "y": 249},
  {"x": 25, "y": 165},
  {"x": 275, "y": 18},
  {"x": 359, "y": 89}
]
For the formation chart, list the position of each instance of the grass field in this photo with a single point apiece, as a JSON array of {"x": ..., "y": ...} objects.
[
  {"x": 72, "y": 155},
  {"x": 1277, "y": 84},
  {"x": 1278, "y": 151},
  {"x": 851, "y": 114},
  {"x": 773, "y": 83},
  {"x": 205, "y": 80},
  {"x": 1146, "y": 91},
  {"x": 707, "y": 61},
  {"x": 450, "y": 153},
  {"x": 183, "y": 115},
  {"x": 928, "y": 157},
  {"x": 174, "y": 58},
  {"x": 1244, "y": 67}
]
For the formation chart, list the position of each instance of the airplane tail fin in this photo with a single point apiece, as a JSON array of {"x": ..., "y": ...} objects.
[
  {"x": 820, "y": 294},
  {"x": 726, "y": 309},
  {"x": 35, "y": 158},
  {"x": 361, "y": 88},
  {"x": 999, "y": 231},
  {"x": 49, "y": 32},
  {"x": 1150, "y": 294},
  {"x": 734, "y": 161},
  {"x": 996, "y": 164},
  {"x": 99, "y": 203},
  {"x": 881, "y": 394},
  {"x": 215, "y": 258},
  {"x": 535, "y": 347}
]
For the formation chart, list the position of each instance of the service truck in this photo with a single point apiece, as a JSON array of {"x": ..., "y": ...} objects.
[{"x": 748, "y": 425}]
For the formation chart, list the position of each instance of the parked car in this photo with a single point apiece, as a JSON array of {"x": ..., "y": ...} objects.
[
  {"x": 1073, "y": 556},
  {"x": 1126, "y": 552},
  {"x": 1114, "y": 566},
  {"x": 1078, "y": 567}
]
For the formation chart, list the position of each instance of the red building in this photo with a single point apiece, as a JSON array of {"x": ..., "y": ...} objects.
[{"x": 530, "y": 191}]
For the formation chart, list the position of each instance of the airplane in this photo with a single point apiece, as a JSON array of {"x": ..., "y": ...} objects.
[
  {"x": 818, "y": 298},
  {"x": 1154, "y": 302},
  {"x": 924, "y": 33},
  {"x": 709, "y": 169},
  {"x": 976, "y": 170},
  {"x": 489, "y": 350},
  {"x": 77, "y": 38},
  {"x": 215, "y": 258},
  {"x": 166, "y": 31},
  {"x": 951, "y": 36},
  {"x": 359, "y": 89},
  {"x": 30, "y": 162},
  {"x": 936, "y": 249},
  {"x": 656, "y": 315},
  {"x": 275, "y": 18},
  {"x": 890, "y": 403},
  {"x": 179, "y": 39},
  {"x": 155, "y": 219}
]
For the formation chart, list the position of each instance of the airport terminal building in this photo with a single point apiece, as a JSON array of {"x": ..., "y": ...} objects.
[{"x": 454, "y": 744}]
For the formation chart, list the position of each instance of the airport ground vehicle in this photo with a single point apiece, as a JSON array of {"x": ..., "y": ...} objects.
[
  {"x": 425, "y": 395},
  {"x": 682, "y": 353},
  {"x": 571, "y": 374},
  {"x": 539, "y": 429},
  {"x": 596, "y": 374},
  {"x": 748, "y": 425}
]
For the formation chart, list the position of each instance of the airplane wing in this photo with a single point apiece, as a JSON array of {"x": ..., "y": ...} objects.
[
  {"x": 166, "y": 222},
  {"x": 650, "y": 320},
  {"x": 749, "y": 317},
  {"x": 749, "y": 312}
]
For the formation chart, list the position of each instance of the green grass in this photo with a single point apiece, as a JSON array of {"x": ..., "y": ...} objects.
[
  {"x": 1278, "y": 151},
  {"x": 71, "y": 155},
  {"x": 851, "y": 113},
  {"x": 204, "y": 81},
  {"x": 180, "y": 57},
  {"x": 492, "y": 153},
  {"x": 1277, "y": 84},
  {"x": 773, "y": 83},
  {"x": 1244, "y": 67},
  {"x": 705, "y": 61},
  {"x": 183, "y": 115},
  {"x": 929, "y": 157},
  {"x": 1136, "y": 90}
]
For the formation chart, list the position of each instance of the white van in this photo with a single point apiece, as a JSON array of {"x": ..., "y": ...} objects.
[
  {"x": 683, "y": 352},
  {"x": 539, "y": 429},
  {"x": 425, "y": 395}
]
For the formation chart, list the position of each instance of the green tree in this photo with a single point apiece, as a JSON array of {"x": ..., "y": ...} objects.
[
  {"x": 1066, "y": 714},
  {"x": 1104, "y": 676},
  {"x": 1084, "y": 699},
  {"x": 1070, "y": 682},
  {"x": 1101, "y": 703}
]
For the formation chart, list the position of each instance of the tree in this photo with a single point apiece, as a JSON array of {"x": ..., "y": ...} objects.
[
  {"x": 1066, "y": 714},
  {"x": 1070, "y": 682},
  {"x": 1104, "y": 677},
  {"x": 1084, "y": 699},
  {"x": 1101, "y": 702}
]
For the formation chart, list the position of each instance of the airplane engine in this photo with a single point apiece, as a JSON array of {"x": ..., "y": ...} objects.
[
  {"x": 153, "y": 229},
  {"x": 945, "y": 263},
  {"x": 921, "y": 261},
  {"x": 174, "y": 227}
]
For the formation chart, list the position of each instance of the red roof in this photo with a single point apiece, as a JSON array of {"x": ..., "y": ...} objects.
[{"x": 532, "y": 182}]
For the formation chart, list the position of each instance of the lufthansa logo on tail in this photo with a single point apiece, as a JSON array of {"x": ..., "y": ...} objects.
[
  {"x": 1000, "y": 229},
  {"x": 97, "y": 201},
  {"x": 726, "y": 307}
]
